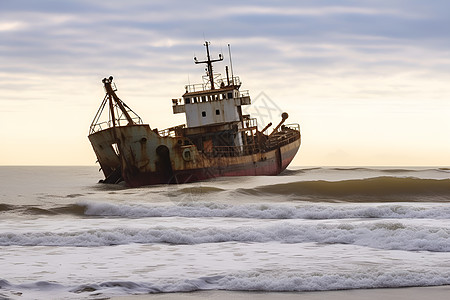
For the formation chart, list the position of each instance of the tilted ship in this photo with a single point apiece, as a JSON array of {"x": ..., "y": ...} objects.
[{"x": 217, "y": 139}]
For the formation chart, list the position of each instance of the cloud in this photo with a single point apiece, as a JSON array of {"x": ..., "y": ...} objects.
[
  {"x": 11, "y": 26},
  {"x": 298, "y": 52},
  {"x": 81, "y": 38}
]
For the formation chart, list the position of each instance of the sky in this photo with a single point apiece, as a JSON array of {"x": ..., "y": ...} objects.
[{"x": 368, "y": 81}]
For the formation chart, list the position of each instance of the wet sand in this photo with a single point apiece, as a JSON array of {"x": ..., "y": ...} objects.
[{"x": 411, "y": 293}]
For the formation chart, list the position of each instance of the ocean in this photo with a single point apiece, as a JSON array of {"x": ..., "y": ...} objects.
[{"x": 65, "y": 236}]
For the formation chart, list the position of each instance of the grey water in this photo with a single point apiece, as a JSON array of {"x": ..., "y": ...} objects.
[{"x": 63, "y": 235}]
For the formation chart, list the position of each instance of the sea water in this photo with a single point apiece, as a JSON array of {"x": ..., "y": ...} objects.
[{"x": 65, "y": 236}]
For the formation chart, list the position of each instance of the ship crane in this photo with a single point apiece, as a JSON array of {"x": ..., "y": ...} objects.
[{"x": 118, "y": 112}]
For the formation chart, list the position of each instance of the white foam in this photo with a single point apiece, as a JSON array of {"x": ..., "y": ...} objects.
[
  {"x": 270, "y": 210},
  {"x": 315, "y": 281},
  {"x": 376, "y": 234},
  {"x": 244, "y": 281},
  {"x": 272, "y": 266}
]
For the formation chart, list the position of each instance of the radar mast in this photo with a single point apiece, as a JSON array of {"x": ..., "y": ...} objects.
[{"x": 208, "y": 62}]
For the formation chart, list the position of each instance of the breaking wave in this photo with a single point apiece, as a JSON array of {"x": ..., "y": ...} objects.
[
  {"x": 312, "y": 211},
  {"x": 258, "y": 280},
  {"x": 370, "y": 190},
  {"x": 389, "y": 235},
  {"x": 267, "y": 211}
]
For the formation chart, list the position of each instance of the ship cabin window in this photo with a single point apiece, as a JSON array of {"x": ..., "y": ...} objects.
[
  {"x": 203, "y": 98},
  {"x": 217, "y": 112},
  {"x": 224, "y": 96},
  {"x": 230, "y": 95},
  {"x": 187, "y": 100},
  {"x": 203, "y": 114},
  {"x": 194, "y": 100}
]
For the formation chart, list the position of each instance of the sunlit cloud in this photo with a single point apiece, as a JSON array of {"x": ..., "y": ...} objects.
[{"x": 11, "y": 26}]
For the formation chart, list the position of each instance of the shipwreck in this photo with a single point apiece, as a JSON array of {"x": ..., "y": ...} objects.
[{"x": 217, "y": 139}]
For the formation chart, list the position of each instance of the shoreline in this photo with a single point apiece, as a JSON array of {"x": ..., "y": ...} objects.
[{"x": 401, "y": 293}]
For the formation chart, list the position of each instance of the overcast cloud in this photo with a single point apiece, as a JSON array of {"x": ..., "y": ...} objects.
[
  {"x": 48, "y": 36},
  {"x": 57, "y": 51}
]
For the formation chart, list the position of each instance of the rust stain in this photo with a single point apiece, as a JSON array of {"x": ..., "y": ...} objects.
[{"x": 229, "y": 145}]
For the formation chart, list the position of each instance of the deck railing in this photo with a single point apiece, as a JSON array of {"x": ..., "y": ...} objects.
[
  {"x": 119, "y": 122},
  {"x": 218, "y": 80}
]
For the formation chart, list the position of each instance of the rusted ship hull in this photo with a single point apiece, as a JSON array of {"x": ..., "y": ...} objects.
[
  {"x": 218, "y": 139},
  {"x": 143, "y": 157}
]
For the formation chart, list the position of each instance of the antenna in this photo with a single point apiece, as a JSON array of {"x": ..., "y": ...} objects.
[
  {"x": 208, "y": 62},
  {"x": 231, "y": 64}
]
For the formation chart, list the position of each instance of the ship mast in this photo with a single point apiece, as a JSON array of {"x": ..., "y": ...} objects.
[
  {"x": 208, "y": 62},
  {"x": 118, "y": 111},
  {"x": 112, "y": 95}
]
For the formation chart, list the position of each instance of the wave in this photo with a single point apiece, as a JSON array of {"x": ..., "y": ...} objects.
[
  {"x": 258, "y": 280},
  {"x": 71, "y": 209},
  {"x": 381, "y": 169},
  {"x": 272, "y": 281},
  {"x": 6, "y": 207},
  {"x": 389, "y": 235},
  {"x": 267, "y": 211},
  {"x": 370, "y": 189},
  {"x": 210, "y": 200},
  {"x": 312, "y": 211}
]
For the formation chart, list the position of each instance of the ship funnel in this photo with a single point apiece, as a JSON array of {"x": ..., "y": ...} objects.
[{"x": 284, "y": 116}]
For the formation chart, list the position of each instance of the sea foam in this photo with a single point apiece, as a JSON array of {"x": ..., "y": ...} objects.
[
  {"x": 243, "y": 281},
  {"x": 266, "y": 210},
  {"x": 391, "y": 235}
]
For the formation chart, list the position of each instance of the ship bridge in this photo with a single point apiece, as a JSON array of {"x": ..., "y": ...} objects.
[
  {"x": 216, "y": 101},
  {"x": 211, "y": 107}
]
